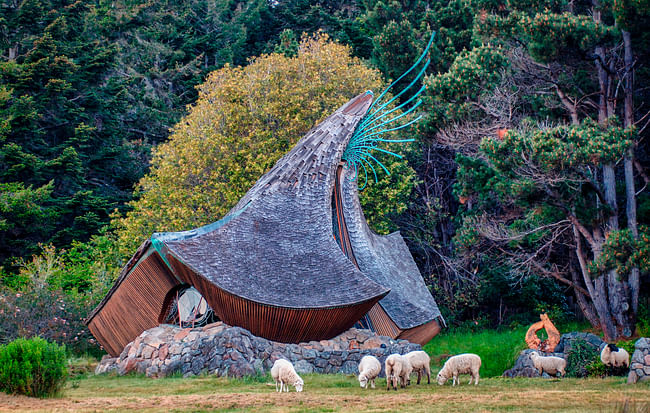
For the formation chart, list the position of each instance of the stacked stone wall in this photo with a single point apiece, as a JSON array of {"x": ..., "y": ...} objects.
[
  {"x": 640, "y": 363},
  {"x": 233, "y": 351}
]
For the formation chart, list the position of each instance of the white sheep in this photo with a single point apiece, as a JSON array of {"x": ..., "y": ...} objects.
[
  {"x": 549, "y": 364},
  {"x": 614, "y": 356},
  {"x": 369, "y": 369},
  {"x": 461, "y": 364},
  {"x": 284, "y": 374},
  {"x": 420, "y": 362},
  {"x": 397, "y": 368}
]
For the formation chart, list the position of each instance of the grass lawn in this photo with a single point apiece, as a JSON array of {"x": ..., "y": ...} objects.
[{"x": 336, "y": 393}]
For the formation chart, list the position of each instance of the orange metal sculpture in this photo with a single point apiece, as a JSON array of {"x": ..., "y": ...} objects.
[{"x": 547, "y": 345}]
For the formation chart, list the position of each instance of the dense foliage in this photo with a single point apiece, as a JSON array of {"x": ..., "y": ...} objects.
[
  {"x": 33, "y": 367},
  {"x": 525, "y": 191}
]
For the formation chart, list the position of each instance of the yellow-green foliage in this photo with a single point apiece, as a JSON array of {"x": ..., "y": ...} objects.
[{"x": 244, "y": 120}]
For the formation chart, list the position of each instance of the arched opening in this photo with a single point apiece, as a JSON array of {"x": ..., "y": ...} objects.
[{"x": 186, "y": 307}]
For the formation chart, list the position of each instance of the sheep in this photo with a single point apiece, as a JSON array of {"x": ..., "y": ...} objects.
[
  {"x": 420, "y": 362},
  {"x": 397, "y": 368},
  {"x": 284, "y": 374},
  {"x": 550, "y": 364},
  {"x": 369, "y": 369},
  {"x": 614, "y": 356},
  {"x": 461, "y": 364}
]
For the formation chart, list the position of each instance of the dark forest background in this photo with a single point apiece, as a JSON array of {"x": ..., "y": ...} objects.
[{"x": 530, "y": 166}]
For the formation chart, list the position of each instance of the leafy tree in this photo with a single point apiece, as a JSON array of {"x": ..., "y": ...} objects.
[{"x": 245, "y": 119}]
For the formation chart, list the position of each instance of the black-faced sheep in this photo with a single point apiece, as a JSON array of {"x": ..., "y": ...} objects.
[
  {"x": 614, "y": 356},
  {"x": 461, "y": 364},
  {"x": 549, "y": 364},
  {"x": 284, "y": 374},
  {"x": 369, "y": 369},
  {"x": 420, "y": 362}
]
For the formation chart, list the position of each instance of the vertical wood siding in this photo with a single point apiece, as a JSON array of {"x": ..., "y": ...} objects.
[{"x": 134, "y": 307}]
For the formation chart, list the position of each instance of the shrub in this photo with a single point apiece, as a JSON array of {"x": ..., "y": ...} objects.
[
  {"x": 582, "y": 359},
  {"x": 32, "y": 367}
]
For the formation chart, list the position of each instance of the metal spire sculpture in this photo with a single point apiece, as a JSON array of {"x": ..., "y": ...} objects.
[{"x": 369, "y": 132}]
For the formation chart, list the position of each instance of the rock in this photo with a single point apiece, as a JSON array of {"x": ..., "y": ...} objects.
[
  {"x": 126, "y": 366},
  {"x": 163, "y": 351},
  {"x": 303, "y": 367},
  {"x": 372, "y": 342},
  {"x": 147, "y": 351},
  {"x": 642, "y": 343},
  {"x": 632, "y": 378},
  {"x": 240, "y": 369},
  {"x": 350, "y": 367}
]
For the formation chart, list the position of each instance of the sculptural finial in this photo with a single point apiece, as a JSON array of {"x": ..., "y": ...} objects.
[{"x": 367, "y": 136}]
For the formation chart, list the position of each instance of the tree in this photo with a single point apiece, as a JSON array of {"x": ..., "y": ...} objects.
[
  {"x": 64, "y": 164},
  {"x": 549, "y": 183},
  {"x": 245, "y": 119}
]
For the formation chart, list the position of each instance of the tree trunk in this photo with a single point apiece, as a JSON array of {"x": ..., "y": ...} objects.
[
  {"x": 597, "y": 289},
  {"x": 609, "y": 287},
  {"x": 630, "y": 191},
  {"x": 586, "y": 307}
]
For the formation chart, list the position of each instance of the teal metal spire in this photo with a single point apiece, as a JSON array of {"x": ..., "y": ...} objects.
[{"x": 367, "y": 135}]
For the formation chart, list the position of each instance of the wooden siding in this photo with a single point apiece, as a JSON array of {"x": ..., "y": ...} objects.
[
  {"x": 421, "y": 334},
  {"x": 288, "y": 325},
  {"x": 133, "y": 307},
  {"x": 383, "y": 324}
]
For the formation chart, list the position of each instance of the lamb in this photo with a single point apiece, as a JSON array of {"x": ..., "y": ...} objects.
[
  {"x": 284, "y": 373},
  {"x": 369, "y": 369},
  {"x": 461, "y": 364},
  {"x": 397, "y": 368},
  {"x": 420, "y": 362},
  {"x": 614, "y": 356},
  {"x": 550, "y": 364}
]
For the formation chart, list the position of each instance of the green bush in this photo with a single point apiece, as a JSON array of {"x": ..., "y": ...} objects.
[
  {"x": 32, "y": 367},
  {"x": 582, "y": 360}
]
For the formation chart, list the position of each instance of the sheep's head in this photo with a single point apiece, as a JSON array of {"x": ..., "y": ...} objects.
[
  {"x": 612, "y": 347},
  {"x": 363, "y": 381},
  {"x": 299, "y": 385},
  {"x": 441, "y": 379}
]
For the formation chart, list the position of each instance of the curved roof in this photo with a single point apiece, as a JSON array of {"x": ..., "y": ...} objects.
[
  {"x": 276, "y": 245},
  {"x": 387, "y": 261}
]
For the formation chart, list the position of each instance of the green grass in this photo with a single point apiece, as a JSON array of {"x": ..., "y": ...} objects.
[
  {"x": 335, "y": 393},
  {"x": 498, "y": 349}
]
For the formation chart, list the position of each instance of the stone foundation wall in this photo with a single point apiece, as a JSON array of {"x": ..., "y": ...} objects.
[
  {"x": 640, "y": 362},
  {"x": 233, "y": 351}
]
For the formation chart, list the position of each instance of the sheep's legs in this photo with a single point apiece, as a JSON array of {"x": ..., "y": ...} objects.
[
  {"x": 372, "y": 384},
  {"x": 276, "y": 387},
  {"x": 419, "y": 375},
  {"x": 455, "y": 380}
]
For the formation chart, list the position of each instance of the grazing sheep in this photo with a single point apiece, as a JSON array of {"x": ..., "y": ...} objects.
[
  {"x": 550, "y": 364},
  {"x": 420, "y": 362},
  {"x": 369, "y": 369},
  {"x": 614, "y": 356},
  {"x": 284, "y": 373},
  {"x": 461, "y": 364},
  {"x": 397, "y": 368}
]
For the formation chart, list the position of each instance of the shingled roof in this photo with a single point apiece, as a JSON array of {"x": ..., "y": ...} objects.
[{"x": 273, "y": 264}]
